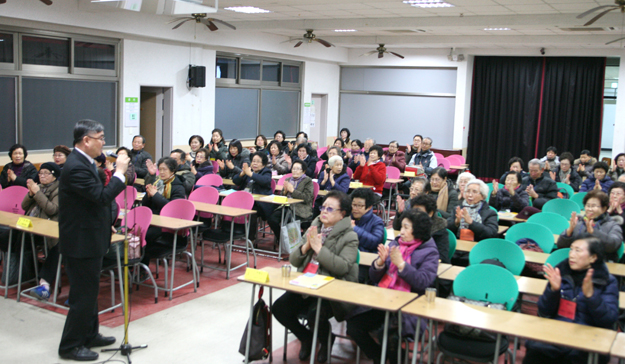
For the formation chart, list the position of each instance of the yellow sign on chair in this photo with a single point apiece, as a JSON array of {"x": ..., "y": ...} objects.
[
  {"x": 280, "y": 199},
  {"x": 255, "y": 275},
  {"x": 409, "y": 174},
  {"x": 24, "y": 222}
]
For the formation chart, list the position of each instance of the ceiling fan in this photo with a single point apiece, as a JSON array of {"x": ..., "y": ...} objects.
[
  {"x": 380, "y": 51},
  {"x": 619, "y": 4},
  {"x": 309, "y": 37},
  {"x": 47, "y": 2},
  {"x": 200, "y": 18}
]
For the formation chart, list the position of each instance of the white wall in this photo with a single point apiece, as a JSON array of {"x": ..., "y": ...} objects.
[{"x": 323, "y": 78}]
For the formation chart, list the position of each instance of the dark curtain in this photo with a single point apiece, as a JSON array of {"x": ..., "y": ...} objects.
[
  {"x": 504, "y": 112},
  {"x": 572, "y": 105}
]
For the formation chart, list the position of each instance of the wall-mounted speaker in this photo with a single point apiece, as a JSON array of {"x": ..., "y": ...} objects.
[{"x": 197, "y": 76}]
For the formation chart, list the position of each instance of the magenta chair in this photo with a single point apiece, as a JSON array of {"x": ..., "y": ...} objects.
[
  {"x": 11, "y": 199},
  {"x": 130, "y": 195},
  {"x": 444, "y": 163},
  {"x": 209, "y": 180},
  {"x": 320, "y": 151},
  {"x": 456, "y": 159},
  {"x": 180, "y": 209},
  {"x": 283, "y": 178},
  {"x": 318, "y": 166},
  {"x": 242, "y": 200},
  {"x": 350, "y": 173},
  {"x": 208, "y": 195}
]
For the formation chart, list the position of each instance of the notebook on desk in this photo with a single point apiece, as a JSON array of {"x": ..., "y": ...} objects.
[{"x": 312, "y": 281}]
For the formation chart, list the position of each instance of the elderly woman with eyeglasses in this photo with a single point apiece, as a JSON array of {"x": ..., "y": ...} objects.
[
  {"x": 19, "y": 170},
  {"x": 474, "y": 220},
  {"x": 446, "y": 196},
  {"x": 330, "y": 248}
]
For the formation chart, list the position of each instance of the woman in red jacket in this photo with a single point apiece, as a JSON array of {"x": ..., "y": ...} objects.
[{"x": 372, "y": 172}]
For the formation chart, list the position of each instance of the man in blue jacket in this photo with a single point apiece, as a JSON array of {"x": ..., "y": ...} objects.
[{"x": 368, "y": 226}]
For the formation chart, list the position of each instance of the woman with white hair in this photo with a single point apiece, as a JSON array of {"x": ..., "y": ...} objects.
[
  {"x": 463, "y": 179},
  {"x": 475, "y": 220},
  {"x": 333, "y": 177}
]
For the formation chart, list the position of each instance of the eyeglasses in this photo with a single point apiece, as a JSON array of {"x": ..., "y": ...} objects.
[
  {"x": 328, "y": 209},
  {"x": 43, "y": 174},
  {"x": 358, "y": 206},
  {"x": 58, "y": 155},
  {"x": 98, "y": 138},
  {"x": 298, "y": 169},
  {"x": 471, "y": 192}
]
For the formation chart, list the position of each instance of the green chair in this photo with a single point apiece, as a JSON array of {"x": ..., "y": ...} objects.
[
  {"x": 481, "y": 282},
  {"x": 562, "y": 207},
  {"x": 619, "y": 252},
  {"x": 558, "y": 256},
  {"x": 540, "y": 234},
  {"x": 490, "y": 189},
  {"x": 579, "y": 199},
  {"x": 554, "y": 222},
  {"x": 497, "y": 212},
  {"x": 452, "y": 243},
  {"x": 568, "y": 189},
  {"x": 504, "y": 251}
]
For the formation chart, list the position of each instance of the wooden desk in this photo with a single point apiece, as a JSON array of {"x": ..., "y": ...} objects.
[
  {"x": 618, "y": 347},
  {"x": 139, "y": 181},
  {"x": 509, "y": 216},
  {"x": 390, "y": 233},
  {"x": 230, "y": 212},
  {"x": 502, "y": 229},
  {"x": 451, "y": 273},
  {"x": 459, "y": 166},
  {"x": 367, "y": 258},
  {"x": 443, "y": 267},
  {"x": 581, "y": 337}
]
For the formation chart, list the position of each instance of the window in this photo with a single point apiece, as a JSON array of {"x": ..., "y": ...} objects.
[
  {"x": 94, "y": 55},
  {"x": 45, "y": 51},
  {"x": 290, "y": 73},
  {"x": 226, "y": 68},
  {"x": 6, "y": 48},
  {"x": 250, "y": 69},
  {"x": 271, "y": 71},
  {"x": 236, "y": 112},
  {"x": 279, "y": 111},
  {"x": 8, "y": 119}
]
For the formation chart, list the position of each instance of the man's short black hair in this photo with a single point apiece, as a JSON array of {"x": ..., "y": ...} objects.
[
  {"x": 427, "y": 201},
  {"x": 345, "y": 203},
  {"x": 552, "y": 149},
  {"x": 364, "y": 193},
  {"x": 515, "y": 160},
  {"x": 138, "y": 136},
  {"x": 85, "y": 127},
  {"x": 378, "y": 149},
  {"x": 601, "y": 165},
  {"x": 585, "y": 152},
  {"x": 301, "y": 133},
  {"x": 421, "y": 224},
  {"x": 183, "y": 155}
]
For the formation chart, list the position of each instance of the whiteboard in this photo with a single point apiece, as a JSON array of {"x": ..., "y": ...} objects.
[{"x": 391, "y": 117}]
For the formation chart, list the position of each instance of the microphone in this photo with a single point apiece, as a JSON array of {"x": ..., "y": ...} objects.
[{"x": 109, "y": 153}]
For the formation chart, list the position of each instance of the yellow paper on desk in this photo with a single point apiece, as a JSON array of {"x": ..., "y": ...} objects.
[
  {"x": 280, "y": 199},
  {"x": 312, "y": 281},
  {"x": 255, "y": 275},
  {"x": 355, "y": 184},
  {"x": 409, "y": 174},
  {"x": 24, "y": 222}
]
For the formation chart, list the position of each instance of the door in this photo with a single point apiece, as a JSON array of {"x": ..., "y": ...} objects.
[
  {"x": 155, "y": 118},
  {"x": 318, "y": 119}
]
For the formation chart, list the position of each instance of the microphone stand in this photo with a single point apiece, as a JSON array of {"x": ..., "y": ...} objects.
[{"x": 125, "y": 347}]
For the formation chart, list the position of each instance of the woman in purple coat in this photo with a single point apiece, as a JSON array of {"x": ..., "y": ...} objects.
[{"x": 409, "y": 264}]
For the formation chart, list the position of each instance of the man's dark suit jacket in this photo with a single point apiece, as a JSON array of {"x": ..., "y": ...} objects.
[{"x": 85, "y": 209}]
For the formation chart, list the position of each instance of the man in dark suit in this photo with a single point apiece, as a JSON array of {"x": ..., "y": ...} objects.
[{"x": 84, "y": 237}]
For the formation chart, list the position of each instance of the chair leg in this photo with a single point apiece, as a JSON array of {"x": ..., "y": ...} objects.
[
  {"x": 57, "y": 280},
  {"x": 112, "y": 274},
  {"x": 166, "y": 285},
  {"x": 286, "y": 334}
]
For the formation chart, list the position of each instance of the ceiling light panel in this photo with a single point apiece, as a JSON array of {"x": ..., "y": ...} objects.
[
  {"x": 428, "y": 3},
  {"x": 345, "y": 30},
  {"x": 497, "y": 29},
  {"x": 247, "y": 9}
]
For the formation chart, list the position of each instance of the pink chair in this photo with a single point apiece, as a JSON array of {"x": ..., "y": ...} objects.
[
  {"x": 11, "y": 199},
  {"x": 439, "y": 157},
  {"x": 180, "y": 209},
  {"x": 215, "y": 167},
  {"x": 242, "y": 200},
  {"x": 391, "y": 173},
  {"x": 283, "y": 178},
  {"x": 456, "y": 159},
  {"x": 140, "y": 217},
  {"x": 205, "y": 194},
  {"x": 349, "y": 172},
  {"x": 318, "y": 167},
  {"x": 210, "y": 180},
  {"x": 315, "y": 190},
  {"x": 444, "y": 163},
  {"x": 320, "y": 151},
  {"x": 131, "y": 196},
  {"x": 273, "y": 185}
]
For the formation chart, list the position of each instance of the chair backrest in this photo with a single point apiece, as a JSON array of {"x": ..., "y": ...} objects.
[
  {"x": 180, "y": 209},
  {"x": 439, "y": 157},
  {"x": 540, "y": 234},
  {"x": 320, "y": 151},
  {"x": 273, "y": 185},
  {"x": 318, "y": 167},
  {"x": 349, "y": 172},
  {"x": 11, "y": 199},
  {"x": 562, "y": 207},
  {"x": 240, "y": 199},
  {"x": 563, "y": 187},
  {"x": 142, "y": 217},
  {"x": 283, "y": 178},
  {"x": 205, "y": 194},
  {"x": 607, "y": 160},
  {"x": 391, "y": 173},
  {"x": 130, "y": 195},
  {"x": 497, "y": 212},
  {"x": 444, "y": 163},
  {"x": 210, "y": 180},
  {"x": 554, "y": 222},
  {"x": 490, "y": 189},
  {"x": 489, "y": 283},
  {"x": 456, "y": 159},
  {"x": 504, "y": 251},
  {"x": 452, "y": 243},
  {"x": 215, "y": 166},
  {"x": 578, "y": 198},
  {"x": 620, "y": 251},
  {"x": 315, "y": 190},
  {"x": 558, "y": 256}
]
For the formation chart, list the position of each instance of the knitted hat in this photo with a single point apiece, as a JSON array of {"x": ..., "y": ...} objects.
[{"x": 52, "y": 167}]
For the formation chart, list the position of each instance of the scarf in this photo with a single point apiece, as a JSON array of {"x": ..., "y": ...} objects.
[
  {"x": 563, "y": 175},
  {"x": 406, "y": 249},
  {"x": 325, "y": 231},
  {"x": 473, "y": 212},
  {"x": 443, "y": 198},
  {"x": 295, "y": 182},
  {"x": 164, "y": 186},
  {"x": 17, "y": 168}
]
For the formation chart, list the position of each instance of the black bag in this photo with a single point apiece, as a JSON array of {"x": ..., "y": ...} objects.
[{"x": 260, "y": 342}]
